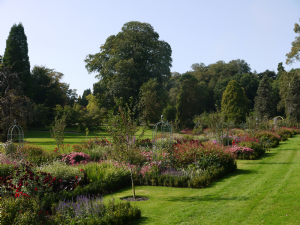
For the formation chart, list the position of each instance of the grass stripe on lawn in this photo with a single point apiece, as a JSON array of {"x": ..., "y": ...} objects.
[{"x": 263, "y": 191}]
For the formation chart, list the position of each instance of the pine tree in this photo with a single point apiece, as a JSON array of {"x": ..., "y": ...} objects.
[
  {"x": 16, "y": 56},
  {"x": 234, "y": 103},
  {"x": 263, "y": 105},
  {"x": 292, "y": 104}
]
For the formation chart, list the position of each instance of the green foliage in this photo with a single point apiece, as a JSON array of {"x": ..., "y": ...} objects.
[
  {"x": 294, "y": 54},
  {"x": 170, "y": 112},
  {"x": 22, "y": 211},
  {"x": 264, "y": 102},
  {"x": 41, "y": 114},
  {"x": 84, "y": 100},
  {"x": 292, "y": 104},
  {"x": 48, "y": 88},
  {"x": 129, "y": 59},
  {"x": 248, "y": 81},
  {"x": 94, "y": 211},
  {"x": 191, "y": 100},
  {"x": 152, "y": 100},
  {"x": 269, "y": 74},
  {"x": 258, "y": 148},
  {"x": 122, "y": 128},
  {"x": 234, "y": 103},
  {"x": 57, "y": 131},
  {"x": 171, "y": 178},
  {"x": 16, "y": 56}
]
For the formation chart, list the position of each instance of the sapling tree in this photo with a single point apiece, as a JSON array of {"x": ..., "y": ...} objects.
[
  {"x": 122, "y": 127},
  {"x": 57, "y": 131}
]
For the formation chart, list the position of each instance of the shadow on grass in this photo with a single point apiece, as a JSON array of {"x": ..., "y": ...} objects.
[
  {"x": 142, "y": 220},
  {"x": 206, "y": 198},
  {"x": 237, "y": 172},
  {"x": 274, "y": 163},
  {"x": 266, "y": 155}
]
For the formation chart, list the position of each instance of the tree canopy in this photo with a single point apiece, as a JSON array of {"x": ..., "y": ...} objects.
[
  {"x": 129, "y": 59},
  {"x": 294, "y": 54}
]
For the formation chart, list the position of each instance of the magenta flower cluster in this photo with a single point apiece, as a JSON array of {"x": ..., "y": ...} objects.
[
  {"x": 76, "y": 158},
  {"x": 241, "y": 150}
]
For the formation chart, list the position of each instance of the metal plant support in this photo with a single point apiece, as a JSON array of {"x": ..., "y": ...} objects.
[
  {"x": 160, "y": 132},
  {"x": 15, "y": 132}
]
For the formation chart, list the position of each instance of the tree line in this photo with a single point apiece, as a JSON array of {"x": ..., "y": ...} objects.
[{"x": 135, "y": 64}]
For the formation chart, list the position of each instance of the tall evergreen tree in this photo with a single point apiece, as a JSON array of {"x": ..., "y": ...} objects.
[
  {"x": 84, "y": 101},
  {"x": 263, "y": 101},
  {"x": 292, "y": 104},
  {"x": 234, "y": 102},
  {"x": 16, "y": 56}
]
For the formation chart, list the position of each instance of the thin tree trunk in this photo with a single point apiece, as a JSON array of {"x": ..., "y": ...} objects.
[{"x": 133, "y": 188}]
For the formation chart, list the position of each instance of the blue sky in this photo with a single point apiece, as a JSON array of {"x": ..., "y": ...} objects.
[{"x": 60, "y": 33}]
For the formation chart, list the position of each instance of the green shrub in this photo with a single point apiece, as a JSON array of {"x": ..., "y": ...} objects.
[
  {"x": 22, "y": 211},
  {"x": 200, "y": 138},
  {"x": 285, "y": 133},
  {"x": 112, "y": 213},
  {"x": 59, "y": 170},
  {"x": 37, "y": 155},
  {"x": 184, "y": 179},
  {"x": 104, "y": 178},
  {"x": 274, "y": 138}
]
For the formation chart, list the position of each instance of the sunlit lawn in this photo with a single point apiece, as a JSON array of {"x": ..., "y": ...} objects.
[{"x": 43, "y": 138}]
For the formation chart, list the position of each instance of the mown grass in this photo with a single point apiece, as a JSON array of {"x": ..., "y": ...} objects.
[
  {"x": 263, "y": 191},
  {"x": 42, "y": 136}
]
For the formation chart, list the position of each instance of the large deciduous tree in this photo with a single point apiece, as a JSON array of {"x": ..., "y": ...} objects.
[
  {"x": 16, "y": 56},
  {"x": 294, "y": 54},
  {"x": 129, "y": 59},
  {"x": 152, "y": 101},
  {"x": 263, "y": 105},
  {"x": 234, "y": 102},
  {"x": 191, "y": 99}
]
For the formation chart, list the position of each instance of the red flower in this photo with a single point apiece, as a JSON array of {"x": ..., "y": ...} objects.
[
  {"x": 36, "y": 189},
  {"x": 59, "y": 180},
  {"x": 76, "y": 177}
]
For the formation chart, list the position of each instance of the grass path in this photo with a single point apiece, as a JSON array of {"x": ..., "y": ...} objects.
[{"x": 264, "y": 191}]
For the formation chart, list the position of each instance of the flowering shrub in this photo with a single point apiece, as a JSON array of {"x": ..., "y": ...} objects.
[
  {"x": 271, "y": 135},
  {"x": 257, "y": 147},
  {"x": 202, "y": 155},
  {"x": 243, "y": 152},
  {"x": 76, "y": 158},
  {"x": 285, "y": 132}
]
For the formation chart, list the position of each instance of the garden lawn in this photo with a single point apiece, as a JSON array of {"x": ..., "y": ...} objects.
[
  {"x": 263, "y": 191},
  {"x": 43, "y": 138}
]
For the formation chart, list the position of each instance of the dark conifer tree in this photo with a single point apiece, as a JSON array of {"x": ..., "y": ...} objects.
[
  {"x": 16, "y": 56},
  {"x": 84, "y": 101},
  {"x": 234, "y": 103},
  {"x": 292, "y": 104},
  {"x": 263, "y": 105}
]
